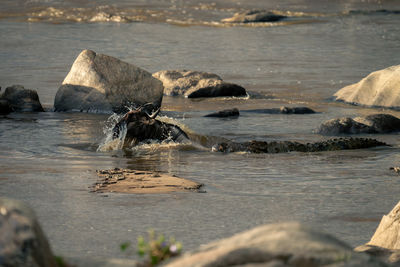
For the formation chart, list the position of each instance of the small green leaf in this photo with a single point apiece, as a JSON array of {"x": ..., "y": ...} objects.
[{"x": 124, "y": 246}]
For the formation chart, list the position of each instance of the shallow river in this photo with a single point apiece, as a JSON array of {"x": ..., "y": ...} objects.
[{"x": 49, "y": 159}]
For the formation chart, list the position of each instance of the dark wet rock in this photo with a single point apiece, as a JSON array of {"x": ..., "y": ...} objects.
[
  {"x": 252, "y": 16},
  {"x": 288, "y": 146},
  {"x": 4, "y": 107},
  {"x": 374, "y": 12},
  {"x": 391, "y": 256},
  {"x": 375, "y": 123},
  {"x": 379, "y": 89},
  {"x": 22, "y": 241},
  {"x": 21, "y": 99},
  {"x": 194, "y": 84},
  {"x": 140, "y": 127},
  {"x": 101, "y": 83},
  {"x": 282, "y": 110},
  {"x": 281, "y": 244},
  {"x": 234, "y": 112}
]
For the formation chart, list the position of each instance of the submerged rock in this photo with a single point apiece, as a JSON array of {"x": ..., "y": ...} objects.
[
  {"x": 225, "y": 113},
  {"x": 282, "y": 110},
  {"x": 251, "y": 16},
  {"x": 379, "y": 89},
  {"x": 281, "y": 244},
  {"x": 375, "y": 123},
  {"x": 21, "y": 100},
  {"x": 100, "y": 83},
  {"x": 141, "y": 126},
  {"x": 288, "y": 146},
  {"x": 194, "y": 84},
  {"x": 22, "y": 241},
  {"x": 4, "y": 107}
]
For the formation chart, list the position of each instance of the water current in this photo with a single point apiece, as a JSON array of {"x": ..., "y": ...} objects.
[{"x": 49, "y": 159}]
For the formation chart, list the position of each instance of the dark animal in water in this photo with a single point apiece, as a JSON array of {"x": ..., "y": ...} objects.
[
  {"x": 141, "y": 127},
  {"x": 288, "y": 146}
]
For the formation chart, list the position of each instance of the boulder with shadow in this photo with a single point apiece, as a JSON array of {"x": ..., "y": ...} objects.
[
  {"x": 375, "y": 123},
  {"x": 195, "y": 84},
  {"x": 104, "y": 84},
  {"x": 378, "y": 89},
  {"x": 20, "y": 99}
]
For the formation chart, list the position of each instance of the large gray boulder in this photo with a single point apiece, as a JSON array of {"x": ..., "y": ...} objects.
[
  {"x": 20, "y": 99},
  {"x": 375, "y": 123},
  {"x": 283, "y": 244},
  {"x": 104, "y": 84},
  {"x": 22, "y": 242},
  {"x": 252, "y": 16},
  {"x": 379, "y": 89},
  {"x": 194, "y": 84}
]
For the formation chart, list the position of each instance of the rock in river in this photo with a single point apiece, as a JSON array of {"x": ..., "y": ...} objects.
[
  {"x": 379, "y": 89},
  {"x": 22, "y": 241},
  {"x": 251, "y": 16},
  {"x": 234, "y": 112},
  {"x": 194, "y": 84},
  {"x": 101, "y": 83},
  {"x": 21, "y": 100},
  {"x": 375, "y": 123},
  {"x": 4, "y": 107},
  {"x": 281, "y": 244}
]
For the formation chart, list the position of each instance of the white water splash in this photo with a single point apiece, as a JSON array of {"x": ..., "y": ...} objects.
[{"x": 110, "y": 143}]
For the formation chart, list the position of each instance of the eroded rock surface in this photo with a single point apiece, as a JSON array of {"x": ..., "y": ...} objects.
[
  {"x": 22, "y": 241},
  {"x": 193, "y": 84},
  {"x": 20, "y": 99},
  {"x": 283, "y": 244},
  {"x": 101, "y": 83},
  {"x": 379, "y": 89},
  {"x": 375, "y": 123}
]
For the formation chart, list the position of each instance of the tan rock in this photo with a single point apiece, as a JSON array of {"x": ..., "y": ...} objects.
[
  {"x": 387, "y": 235},
  {"x": 283, "y": 244},
  {"x": 141, "y": 182},
  {"x": 380, "y": 88}
]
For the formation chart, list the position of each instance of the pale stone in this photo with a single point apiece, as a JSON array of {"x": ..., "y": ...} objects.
[
  {"x": 387, "y": 235},
  {"x": 101, "y": 83},
  {"x": 283, "y": 244},
  {"x": 380, "y": 88}
]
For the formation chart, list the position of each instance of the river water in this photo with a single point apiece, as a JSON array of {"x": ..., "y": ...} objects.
[{"x": 49, "y": 159}]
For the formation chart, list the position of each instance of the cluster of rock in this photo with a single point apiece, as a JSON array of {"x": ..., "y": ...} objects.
[
  {"x": 18, "y": 99},
  {"x": 194, "y": 84},
  {"x": 288, "y": 146},
  {"x": 23, "y": 243},
  {"x": 375, "y": 123}
]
